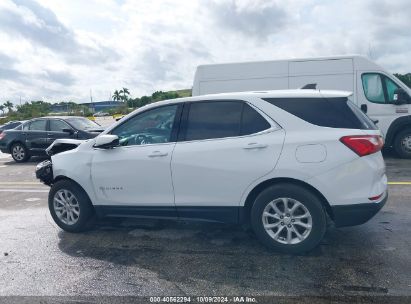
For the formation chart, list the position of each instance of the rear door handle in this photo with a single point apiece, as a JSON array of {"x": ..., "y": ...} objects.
[
  {"x": 255, "y": 146},
  {"x": 157, "y": 154}
]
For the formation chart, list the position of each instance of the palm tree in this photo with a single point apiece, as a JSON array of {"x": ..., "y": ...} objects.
[
  {"x": 117, "y": 95},
  {"x": 125, "y": 92},
  {"x": 9, "y": 106},
  {"x": 2, "y": 107}
]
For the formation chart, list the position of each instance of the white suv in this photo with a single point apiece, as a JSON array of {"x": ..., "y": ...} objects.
[{"x": 281, "y": 161}]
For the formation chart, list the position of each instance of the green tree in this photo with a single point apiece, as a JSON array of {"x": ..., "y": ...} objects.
[
  {"x": 9, "y": 106},
  {"x": 404, "y": 78},
  {"x": 133, "y": 102},
  {"x": 125, "y": 93},
  {"x": 2, "y": 107},
  {"x": 144, "y": 100},
  {"x": 116, "y": 95}
]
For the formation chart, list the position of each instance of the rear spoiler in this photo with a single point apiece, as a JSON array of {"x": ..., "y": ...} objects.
[{"x": 309, "y": 86}]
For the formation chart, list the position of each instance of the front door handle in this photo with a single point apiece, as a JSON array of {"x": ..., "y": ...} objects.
[
  {"x": 364, "y": 108},
  {"x": 255, "y": 146},
  {"x": 157, "y": 154}
]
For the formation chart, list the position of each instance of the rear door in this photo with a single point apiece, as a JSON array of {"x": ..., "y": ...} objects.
[
  {"x": 223, "y": 147},
  {"x": 36, "y": 135}
]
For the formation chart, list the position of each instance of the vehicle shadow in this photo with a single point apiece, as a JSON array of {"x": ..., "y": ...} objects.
[
  {"x": 32, "y": 160},
  {"x": 217, "y": 257}
]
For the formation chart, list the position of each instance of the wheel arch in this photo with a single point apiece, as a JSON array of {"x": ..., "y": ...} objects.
[
  {"x": 396, "y": 126},
  {"x": 245, "y": 216},
  {"x": 13, "y": 142},
  {"x": 63, "y": 177}
]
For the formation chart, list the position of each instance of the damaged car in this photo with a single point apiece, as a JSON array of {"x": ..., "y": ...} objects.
[
  {"x": 34, "y": 136},
  {"x": 284, "y": 162}
]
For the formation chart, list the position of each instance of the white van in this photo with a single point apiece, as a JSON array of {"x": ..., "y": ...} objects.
[{"x": 377, "y": 92}]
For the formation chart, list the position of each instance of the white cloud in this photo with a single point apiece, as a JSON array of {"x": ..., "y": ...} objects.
[{"x": 57, "y": 49}]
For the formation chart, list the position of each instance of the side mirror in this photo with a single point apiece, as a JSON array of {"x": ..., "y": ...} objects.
[
  {"x": 68, "y": 130},
  {"x": 106, "y": 141},
  {"x": 400, "y": 97}
]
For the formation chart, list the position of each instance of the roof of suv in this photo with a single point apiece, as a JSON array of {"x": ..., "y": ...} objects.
[{"x": 296, "y": 93}]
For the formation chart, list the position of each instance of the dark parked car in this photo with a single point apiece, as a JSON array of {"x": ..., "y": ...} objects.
[
  {"x": 10, "y": 125},
  {"x": 34, "y": 136}
]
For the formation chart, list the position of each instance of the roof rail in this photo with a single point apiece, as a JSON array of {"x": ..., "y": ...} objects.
[{"x": 309, "y": 86}]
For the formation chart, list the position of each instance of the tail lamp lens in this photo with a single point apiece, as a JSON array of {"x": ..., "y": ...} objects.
[{"x": 363, "y": 144}]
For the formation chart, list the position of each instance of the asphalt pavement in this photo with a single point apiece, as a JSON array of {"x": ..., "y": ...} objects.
[{"x": 153, "y": 257}]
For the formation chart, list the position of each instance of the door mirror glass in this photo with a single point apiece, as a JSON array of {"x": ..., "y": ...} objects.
[
  {"x": 400, "y": 97},
  {"x": 106, "y": 141}
]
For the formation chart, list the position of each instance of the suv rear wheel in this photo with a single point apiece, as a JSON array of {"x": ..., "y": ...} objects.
[
  {"x": 19, "y": 153},
  {"x": 402, "y": 143},
  {"x": 288, "y": 218},
  {"x": 70, "y": 206}
]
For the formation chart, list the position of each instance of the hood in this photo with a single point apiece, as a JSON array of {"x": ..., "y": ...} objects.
[{"x": 63, "y": 144}]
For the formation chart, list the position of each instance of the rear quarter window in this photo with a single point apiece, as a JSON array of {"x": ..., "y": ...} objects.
[{"x": 325, "y": 112}]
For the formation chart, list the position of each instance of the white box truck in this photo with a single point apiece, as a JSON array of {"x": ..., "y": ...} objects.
[{"x": 377, "y": 92}]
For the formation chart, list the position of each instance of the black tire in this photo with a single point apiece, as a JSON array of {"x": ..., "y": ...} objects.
[
  {"x": 86, "y": 210},
  {"x": 403, "y": 151},
  {"x": 305, "y": 197},
  {"x": 21, "y": 157}
]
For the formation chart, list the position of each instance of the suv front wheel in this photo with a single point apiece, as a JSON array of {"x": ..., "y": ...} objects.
[
  {"x": 70, "y": 206},
  {"x": 288, "y": 218}
]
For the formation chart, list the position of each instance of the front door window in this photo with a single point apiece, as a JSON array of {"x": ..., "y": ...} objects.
[
  {"x": 378, "y": 88},
  {"x": 150, "y": 127}
]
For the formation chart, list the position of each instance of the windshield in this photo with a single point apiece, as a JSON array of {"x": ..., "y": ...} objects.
[{"x": 81, "y": 123}]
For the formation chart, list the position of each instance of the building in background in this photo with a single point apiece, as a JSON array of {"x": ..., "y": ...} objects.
[{"x": 102, "y": 106}]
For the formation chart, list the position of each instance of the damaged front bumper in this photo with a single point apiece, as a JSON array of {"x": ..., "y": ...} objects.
[{"x": 44, "y": 172}]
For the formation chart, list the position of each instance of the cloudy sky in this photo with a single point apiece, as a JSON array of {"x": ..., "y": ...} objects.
[{"x": 61, "y": 49}]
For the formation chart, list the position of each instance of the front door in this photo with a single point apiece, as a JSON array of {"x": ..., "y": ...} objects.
[
  {"x": 59, "y": 129},
  {"x": 137, "y": 173},
  {"x": 376, "y": 94}
]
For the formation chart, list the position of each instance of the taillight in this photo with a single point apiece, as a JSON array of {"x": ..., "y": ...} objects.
[
  {"x": 2, "y": 135},
  {"x": 363, "y": 144}
]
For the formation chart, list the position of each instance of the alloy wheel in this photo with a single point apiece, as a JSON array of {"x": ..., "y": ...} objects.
[
  {"x": 18, "y": 152},
  {"x": 66, "y": 207},
  {"x": 287, "y": 221}
]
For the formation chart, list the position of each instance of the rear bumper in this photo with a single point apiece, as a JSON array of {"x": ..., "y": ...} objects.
[
  {"x": 356, "y": 214},
  {"x": 3, "y": 147}
]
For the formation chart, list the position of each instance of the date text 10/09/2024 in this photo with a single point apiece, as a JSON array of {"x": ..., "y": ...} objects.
[{"x": 202, "y": 299}]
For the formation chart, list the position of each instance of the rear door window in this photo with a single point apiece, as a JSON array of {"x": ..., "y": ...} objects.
[
  {"x": 213, "y": 119},
  {"x": 252, "y": 121},
  {"x": 38, "y": 125},
  {"x": 325, "y": 112}
]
